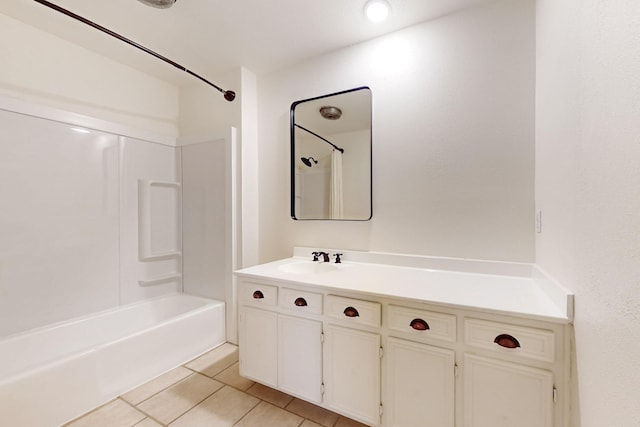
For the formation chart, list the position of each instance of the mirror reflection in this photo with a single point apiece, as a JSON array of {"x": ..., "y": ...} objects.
[{"x": 331, "y": 156}]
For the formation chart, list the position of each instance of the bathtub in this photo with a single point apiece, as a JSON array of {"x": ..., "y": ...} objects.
[{"x": 51, "y": 375}]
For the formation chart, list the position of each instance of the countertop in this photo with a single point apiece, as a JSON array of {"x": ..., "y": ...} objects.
[{"x": 523, "y": 295}]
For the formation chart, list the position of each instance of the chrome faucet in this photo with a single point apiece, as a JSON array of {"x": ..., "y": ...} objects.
[{"x": 325, "y": 256}]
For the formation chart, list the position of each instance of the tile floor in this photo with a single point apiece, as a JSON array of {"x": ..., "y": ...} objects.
[{"x": 209, "y": 392}]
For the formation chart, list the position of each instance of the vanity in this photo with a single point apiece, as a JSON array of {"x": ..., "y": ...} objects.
[{"x": 399, "y": 340}]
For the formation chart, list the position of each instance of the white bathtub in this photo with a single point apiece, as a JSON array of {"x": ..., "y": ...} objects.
[{"x": 50, "y": 375}]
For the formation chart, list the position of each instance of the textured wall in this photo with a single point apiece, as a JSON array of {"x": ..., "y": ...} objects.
[
  {"x": 453, "y": 134},
  {"x": 588, "y": 187},
  {"x": 45, "y": 69}
]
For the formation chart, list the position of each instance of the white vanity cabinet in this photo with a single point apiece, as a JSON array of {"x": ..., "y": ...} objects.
[
  {"x": 399, "y": 362},
  {"x": 258, "y": 345},
  {"x": 352, "y": 356},
  {"x": 279, "y": 349},
  {"x": 509, "y": 374},
  {"x": 258, "y": 338},
  {"x": 300, "y": 343},
  {"x": 419, "y": 376},
  {"x": 300, "y": 357},
  {"x": 352, "y": 373},
  {"x": 499, "y": 393}
]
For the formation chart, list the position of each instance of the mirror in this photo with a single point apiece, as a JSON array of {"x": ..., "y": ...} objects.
[{"x": 331, "y": 156}]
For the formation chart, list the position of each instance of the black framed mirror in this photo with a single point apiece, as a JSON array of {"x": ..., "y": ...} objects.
[{"x": 331, "y": 172}]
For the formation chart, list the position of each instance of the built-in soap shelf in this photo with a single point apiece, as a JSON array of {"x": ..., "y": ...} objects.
[
  {"x": 159, "y": 220},
  {"x": 161, "y": 279},
  {"x": 159, "y": 226}
]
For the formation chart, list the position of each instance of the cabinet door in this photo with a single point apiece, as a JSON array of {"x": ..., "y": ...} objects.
[
  {"x": 420, "y": 385},
  {"x": 300, "y": 357},
  {"x": 352, "y": 373},
  {"x": 503, "y": 394},
  {"x": 258, "y": 345}
]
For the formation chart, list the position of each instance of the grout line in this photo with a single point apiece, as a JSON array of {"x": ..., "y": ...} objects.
[
  {"x": 208, "y": 396},
  {"x": 156, "y": 393},
  {"x": 224, "y": 384},
  {"x": 142, "y": 412},
  {"x": 86, "y": 414},
  {"x": 249, "y": 411}
]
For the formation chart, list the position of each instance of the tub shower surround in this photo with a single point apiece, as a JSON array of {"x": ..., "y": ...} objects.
[
  {"x": 70, "y": 221},
  {"x": 91, "y": 263}
]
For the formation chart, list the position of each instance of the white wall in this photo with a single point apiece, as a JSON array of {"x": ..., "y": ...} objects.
[
  {"x": 39, "y": 67},
  {"x": 205, "y": 113},
  {"x": 588, "y": 187},
  {"x": 453, "y": 133}
]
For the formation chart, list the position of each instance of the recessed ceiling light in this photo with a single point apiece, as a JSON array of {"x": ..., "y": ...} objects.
[
  {"x": 376, "y": 10},
  {"x": 160, "y": 4}
]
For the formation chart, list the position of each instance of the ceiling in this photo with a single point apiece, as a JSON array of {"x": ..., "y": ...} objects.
[{"x": 211, "y": 37}]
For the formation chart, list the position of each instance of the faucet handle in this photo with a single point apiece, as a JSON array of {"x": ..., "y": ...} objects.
[
  {"x": 315, "y": 254},
  {"x": 337, "y": 257}
]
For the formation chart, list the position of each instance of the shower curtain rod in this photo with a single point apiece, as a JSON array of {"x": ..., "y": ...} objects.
[
  {"x": 229, "y": 95},
  {"x": 324, "y": 139}
]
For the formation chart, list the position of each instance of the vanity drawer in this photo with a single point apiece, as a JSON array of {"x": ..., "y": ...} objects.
[
  {"x": 354, "y": 311},
  {"x": 422, "y": 324},
  {"x": 503, "y": 338},
  {"x": 300, "y": 301},
  {"x": 257, "y": 294}
]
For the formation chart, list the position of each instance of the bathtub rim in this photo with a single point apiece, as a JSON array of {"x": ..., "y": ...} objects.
[
  {"x": 103, "y": 312},
  {"x": 83, "y": 381},
  {"x": 83, "y": 350}
]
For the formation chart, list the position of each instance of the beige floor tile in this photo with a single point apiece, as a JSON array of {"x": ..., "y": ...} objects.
[
  {"x": 269, "y": 394},
  {"x": 314, "y": 413},
  {"x": 174, "y": 401},
  {"x": 267, "y": 415},
  {"x": 215, "y": 361},
  {"x": 222, "y": 409},
  {"x": 148, "y": 422},
  {"x": 348, "y": 422},
  {"x": 156, "y": 385},
  {"x": 231, "y": 376},
  {"x": 116, "y": 413},
  {"x": 309, "y": 423}
]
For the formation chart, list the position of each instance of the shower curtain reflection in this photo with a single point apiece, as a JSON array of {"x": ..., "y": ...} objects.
[{"x": 336, "y": 205}]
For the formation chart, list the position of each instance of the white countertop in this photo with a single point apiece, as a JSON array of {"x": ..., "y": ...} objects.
[{"x": 520, "y": 295}]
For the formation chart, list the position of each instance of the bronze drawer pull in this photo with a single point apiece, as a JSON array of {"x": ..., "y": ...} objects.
[
  {"x": 419, "y": 325},
  {"x": 506, "y": 341},
  {"x": 300, "y": 302},
  {"x": 258, "y": 295},
  {"x": 351, "y": 312}
]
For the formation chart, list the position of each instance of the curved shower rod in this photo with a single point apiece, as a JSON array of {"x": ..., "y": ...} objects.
[
  {"x": 229, "y": 95},
  {"x": 324, "y": 139}
]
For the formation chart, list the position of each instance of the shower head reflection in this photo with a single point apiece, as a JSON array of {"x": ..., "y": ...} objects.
[{"x": 307, "y": 161}]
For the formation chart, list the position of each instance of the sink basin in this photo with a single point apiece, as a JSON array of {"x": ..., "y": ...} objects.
[{"x": 307, "y": 267}]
